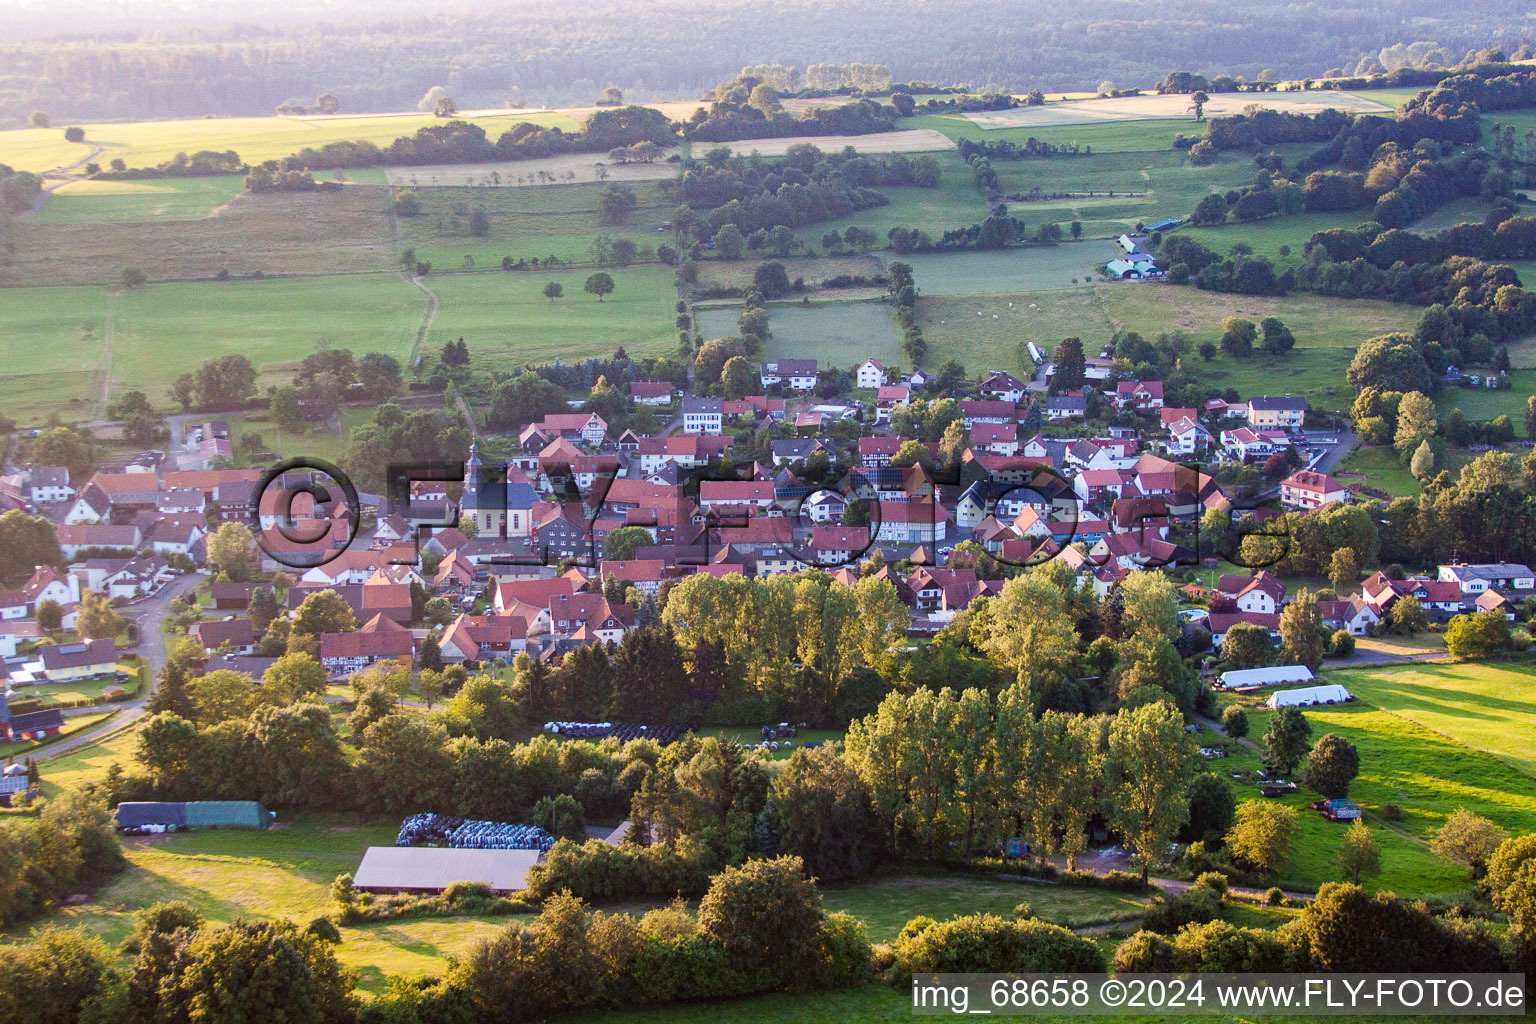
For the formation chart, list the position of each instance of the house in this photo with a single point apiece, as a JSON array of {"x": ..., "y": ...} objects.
[
  {"x": 888, "y": 398},
  {"x": 794, "y": 449},
  {"x": 231, "y": 596},
  {"x": 875, "y": 452},
  {"x": 78, "y": 537},
  {"x": 1476, "y": 579},
  {"x": 589, "y": 617},
  {"x": 345, "y": 653},
  {"x": 702, "y": 416},
  {"x": 996, "y": 438},
  {"x": 650, "y": 392},
  {"x": 1139, "y": 395},
  {"x": 980, "y": 410},
  {"x": 46, "y": 585},
  {"x": 795, "y": 374},
  {"x": 911, "y": 522},
  {"x": 689, "y": 451},
  {"x": 34, "y": 725},
  {"x": 1187, "y": 437},
  {"x": 181, "y": 501},
  {"x": 1355, "y": 616},
  {"x": 1004, "y": 387},
  {"x": 1493, "y": 601},
  {"x": 237, "y": 633},
  {"x": 838, "y": 545},
  {"x": 1073, "y": 405},
  {"x": 724, "y": 493},
  {"x": 91, "y": 505},
  {"x": 1307, "y": 490},
  {"x": 1247, "y": 445},
  {"x": 644, "y": 574},
  {"x": 1288, "y": 413},
  {"x": 48, "y": 485},
  {"x": 588, "y": 426},
  {"x": 498, "y": 509},
  {"x": 82, "y": 660},
  {"x": 1218, "y": 623},
  {"x": 1261, "y": 594},
  {"x": 870, "y": 374},
  {"x": 824, "y": 506}
]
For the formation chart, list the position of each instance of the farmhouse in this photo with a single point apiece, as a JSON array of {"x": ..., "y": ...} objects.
[
  {"x": 48, "y": 485},
  {"x": 650, "y": 392}
]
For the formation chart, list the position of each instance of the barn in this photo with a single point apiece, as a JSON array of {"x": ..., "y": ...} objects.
[{"x": 419, "y": 869}]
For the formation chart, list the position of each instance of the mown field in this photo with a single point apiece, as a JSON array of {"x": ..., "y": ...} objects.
[
  {"x": 836, "y": 333},
  {"x": 54, "y": 348},
  {"x": 506, "y": 321},
  {"x": 100, "y": 202},
  {"x": 1378, "y": 467},
  {"x": 1487, "y": 707},
  {"x": 1115, "y": 137},
  {"x": 148, "y": 143}
]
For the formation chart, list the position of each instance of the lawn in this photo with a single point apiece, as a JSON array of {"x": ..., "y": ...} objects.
[
  {"x": 1379, "y": 468},
  {"x": 887, "y": 904},
  {"x": 526, "y": 223},
  {"x": 89, "y": 763},
  {"x": 52, "y": 693},
  {"x": 1487, "y": 403},
  {"x": 837, "y": 333},
  {"x": 506, "y": 321},
  {"x": 1487, "y": 707},
  {"x": 274, "y": 323},
  {"x": 51, "y": 360},
  {"x": 167, "y": 199},
  {"x": 147, "y": 143}
]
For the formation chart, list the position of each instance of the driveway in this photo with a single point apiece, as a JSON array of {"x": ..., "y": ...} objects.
[{"x": 148, "y": 614}]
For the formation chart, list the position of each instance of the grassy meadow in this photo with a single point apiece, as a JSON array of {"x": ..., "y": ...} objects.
[
  {"x": 1487, "y": 403},
  {"x": 526, "y": 223},
  {"x": 101, "y": 202},
  {"x": 507, "y": 322},
  {"x": 1380, "y": 468},
  {"x": 837, "y": 333},
  {"x": 54, "y": 351}
]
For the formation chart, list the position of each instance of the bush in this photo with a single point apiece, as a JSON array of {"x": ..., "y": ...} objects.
[
  {"x": 1391, "y": 812},
  {"x": 1274, "y": 896},
  {"x": 985, "y": 943},
  {"x": 1342, "y": 644},
  {"x": 1212, "y": 880},
  {"x": 1196, "y": 905},
  {"x": 1023, "y": 912}
]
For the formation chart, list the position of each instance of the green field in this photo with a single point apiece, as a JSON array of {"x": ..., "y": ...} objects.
[
  {"x": 147, "y": 143},
  {"x": 507, "y": 322},
  {"x": 1487, "y": 707},
  {"x": 526, "y": 223},
  {"x": 50, "y": 362},
  {"x": 1425, "y": 773},
  {"x": 1486, "y": 403},
  {"x": 1266, "y": 236},
  {"x": 1381, "y": 469},
  {"x": 887, "y": 904},
  {"x": 1457, "y": 211},
  {"x": 837, "y": 333},
  {"x": 274, "y": 323},
  {"x": 109, "y": 201},
  {"x": 1015, "y": 270},
  {"x": 1327, "y": 330},
  {"x": 316, "y": 442}
]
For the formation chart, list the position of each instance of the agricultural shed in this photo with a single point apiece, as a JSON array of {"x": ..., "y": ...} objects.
[
  {"x": 1274, "y": 675},
  {"x": 137, "y": 815},
  {"x": 420, "y": 869},
  {"x": 1332, "y": 693}
]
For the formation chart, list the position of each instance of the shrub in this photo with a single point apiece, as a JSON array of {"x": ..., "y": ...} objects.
[
  {"x": 985, "y": 943},
  {"x": 1274, "y": 896},
  {"x": 1391, "y": 812},
  {"x": 1196, "y": 905},
  {"x": 1023, "y": 912},
  {"x": 1213, "y": 880}
]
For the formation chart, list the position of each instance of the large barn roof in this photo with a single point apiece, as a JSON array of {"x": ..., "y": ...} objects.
[{"x": 433, "y": 869}]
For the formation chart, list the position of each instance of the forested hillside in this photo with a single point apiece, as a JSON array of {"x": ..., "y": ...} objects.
[{"x": 224, "y": 58}]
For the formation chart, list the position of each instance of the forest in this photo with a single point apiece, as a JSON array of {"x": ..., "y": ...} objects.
[{"x": 250, "y": 58}]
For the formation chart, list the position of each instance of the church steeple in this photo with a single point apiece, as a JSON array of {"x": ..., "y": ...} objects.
[{"x": 472, "y": 471}]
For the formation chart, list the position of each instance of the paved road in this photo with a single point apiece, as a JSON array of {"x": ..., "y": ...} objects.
[{"x": 148, "y": 614}]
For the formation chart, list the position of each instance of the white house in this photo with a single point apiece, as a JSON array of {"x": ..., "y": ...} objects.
[
  {"x": 795, "y": 374},
  {"x": 1307, "y": 490},
  {"x": 702, "y": 416},
  {"x": 871, "y": 374},
  {"x": 49, "y": 484},
  {"x": 1475, "y": 579}
]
